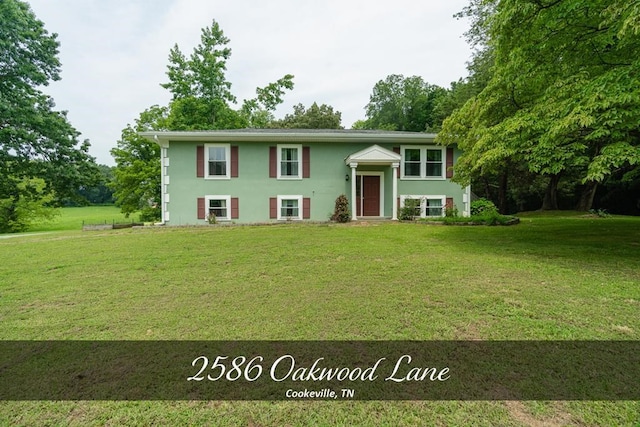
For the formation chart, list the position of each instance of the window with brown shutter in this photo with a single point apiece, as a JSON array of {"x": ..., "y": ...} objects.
[
  {"x": 201, "y": 208},
  {"x": 200, "y": 161},
  {"x": 306, "y": 208},
  {"x": 306, "y": 162},
  {"x": 449, "y": 163},
  {"x": 234, "y": 161},
  {"x": 235, "y": 210},
  {"x": 273, "y": 207},
  {"x": 273, "y": 162},
  {"x": 449, "y": 203}
]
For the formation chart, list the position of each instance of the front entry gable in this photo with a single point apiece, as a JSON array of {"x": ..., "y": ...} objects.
[{"x": 374, "y": 155}]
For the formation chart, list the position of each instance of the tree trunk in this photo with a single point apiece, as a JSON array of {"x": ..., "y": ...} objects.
[
  {"x": 502, "y": 193},
  {"x": 550, "y": 201},
  {"x": 586, "y": 198},
  {"x": 487, "y": 188}
]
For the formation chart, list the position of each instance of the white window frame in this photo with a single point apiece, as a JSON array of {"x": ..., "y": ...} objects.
[
  {"x": 279, "y": 160},
  {"x": 423, "y": 162},
  {"x": 423, "y": 203},
  {"x": 227, "y": 156},
  {"x": 226, "y": 198},
  {"x": 300, "y": 208}
]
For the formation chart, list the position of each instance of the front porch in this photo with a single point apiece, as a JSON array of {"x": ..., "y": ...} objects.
[{"x": 368, "y": 193}]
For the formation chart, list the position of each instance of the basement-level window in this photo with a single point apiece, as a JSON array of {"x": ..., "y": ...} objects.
[
  {"x": 289, "y": 207},
  {"x": 425, "y": 205}
]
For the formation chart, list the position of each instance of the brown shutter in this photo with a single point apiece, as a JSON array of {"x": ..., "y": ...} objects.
[
  {"x": 306, "y": 208},
  {"x": 273, "y": 162},
  {"x": 202, "y": 214},
  {"x": 397, "y": 150},
  {"x": 235, "y": 211},
  {"x": 273, "y": 207},
  {"x": 306, "y": 162},
  {"x": 200, "y": 161},
  {"x": 234, "y": 161},
  {"x": 449, "y": 203},
  {"x": 449, "y": 162}
]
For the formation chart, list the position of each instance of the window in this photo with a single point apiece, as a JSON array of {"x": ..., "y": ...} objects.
[
  {"x": 433, "y": 207},
  {"x": 434, "y": 163},
  {"x": 218, "y": 206},
  {"x": 218, "y": 156},
  {"x": 424, "y": 162},
  {"x": 289, "y": 157},
  {"x": 426, "y": 206},
  {"x": 412, "y": 162},
  {"x": 289, "y": 207}
]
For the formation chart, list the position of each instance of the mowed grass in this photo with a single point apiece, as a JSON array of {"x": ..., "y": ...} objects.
[
  {"x": 569, "y": 278},
  {"x": 73, "y": 218}
]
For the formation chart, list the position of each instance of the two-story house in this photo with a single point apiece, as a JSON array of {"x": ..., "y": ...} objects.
[{"x": 255, "y": 175}]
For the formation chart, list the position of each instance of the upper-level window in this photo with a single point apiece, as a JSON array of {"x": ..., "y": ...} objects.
[
  {"x": 218, "y": 156},
  {"x": 289, "y": 161},
  {"x": 423, "y": 162}
]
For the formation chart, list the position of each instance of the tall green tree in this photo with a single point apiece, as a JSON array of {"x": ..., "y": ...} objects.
[
  {"x": 564, "y": 95},
  {"x": 201, "y": 94},
  {"x": 37, "y": 144},
  {"x": 136, "y": 183},
  {"x": 314, "y": 117},
  {"x": 403, "y": 104},
  {"x": 201, "y": 99}
]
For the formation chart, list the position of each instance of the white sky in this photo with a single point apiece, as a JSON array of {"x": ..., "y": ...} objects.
[{"x": 114, "y": 53}]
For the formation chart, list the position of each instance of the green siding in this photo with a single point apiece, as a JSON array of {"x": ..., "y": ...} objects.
[{"x": 253, "y": 187}]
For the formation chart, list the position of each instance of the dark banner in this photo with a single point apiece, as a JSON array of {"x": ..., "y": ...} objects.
[{"x": 324, "y": 370}]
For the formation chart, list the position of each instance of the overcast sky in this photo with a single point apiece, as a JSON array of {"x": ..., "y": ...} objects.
[{"x": 114, "y": 52}]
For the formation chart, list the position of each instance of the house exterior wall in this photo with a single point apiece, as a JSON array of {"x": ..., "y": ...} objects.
[{"x": 253, "y": 188}]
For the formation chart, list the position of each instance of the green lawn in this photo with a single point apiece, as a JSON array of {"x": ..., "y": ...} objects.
[
  {"x": 572, "y": 277},
  {"x": 74, "y": 218}
]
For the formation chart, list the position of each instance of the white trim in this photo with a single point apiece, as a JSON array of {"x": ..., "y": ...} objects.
[
  {"x": 226, "y": 198},
  {"x": 467, "y": 201},
  {"x": 164, "y": 181},
  {"x": 300, "y": 207},
  {"x": 423, "y": 205},
  {"x": 227, "y": 157},
  {"x": 279, "y": 161},
  {"x": 373, "y": 173},
  {"x": 394, "y": 205},
  {"x": 354, "y": 167},
  {"x": 423, "y": 163}
]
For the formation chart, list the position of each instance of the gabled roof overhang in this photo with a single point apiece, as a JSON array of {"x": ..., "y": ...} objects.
[{"x": 374, "y": 155}]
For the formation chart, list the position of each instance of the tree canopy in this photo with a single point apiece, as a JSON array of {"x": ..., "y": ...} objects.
[
  {"x": 41, "y": 159},
  {"x": 563, "y": 93},
  {"x": 314, "y": 117},
  {"x": 403, "y": 104},
  {"x": 201, "y": 99}
]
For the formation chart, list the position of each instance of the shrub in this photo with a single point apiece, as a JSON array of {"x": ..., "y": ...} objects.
[
  {"x": 483, "y": 206},
  {"x": 410, "y": 210},
  {"x": 150, "y": 214},
  {"x": 451, "y": 212},
  {"x": 341, "y": 212}
]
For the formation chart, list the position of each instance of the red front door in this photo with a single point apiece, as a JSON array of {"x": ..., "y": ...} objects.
[{"x": 368, "y": 192}]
